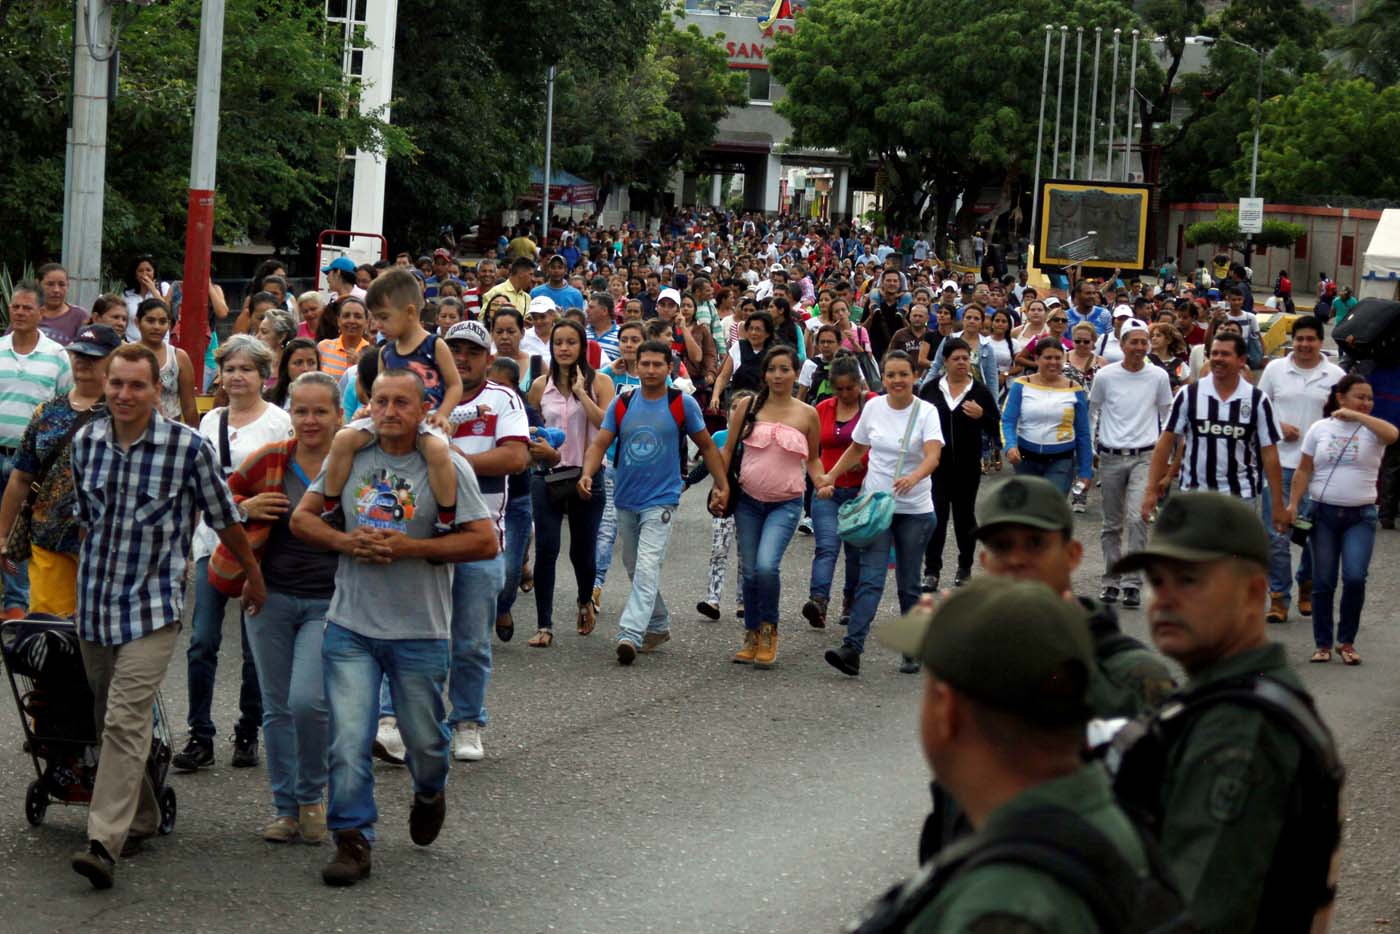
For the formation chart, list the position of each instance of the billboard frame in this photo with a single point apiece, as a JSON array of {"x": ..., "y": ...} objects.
[{"x": 1048, "y": 258}]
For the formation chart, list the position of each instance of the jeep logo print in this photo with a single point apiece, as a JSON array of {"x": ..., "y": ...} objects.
[{"x": 1013, "y": 495}]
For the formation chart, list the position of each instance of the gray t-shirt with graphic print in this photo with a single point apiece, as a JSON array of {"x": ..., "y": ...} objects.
[{"x": 409, "y": 598}]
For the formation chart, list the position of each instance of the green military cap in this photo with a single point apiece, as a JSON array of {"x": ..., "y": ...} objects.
[
  {"x": 1032, "y": 501},
  {"x": 1202, "y": 526},
  {"x": 1013, "y": 645}
]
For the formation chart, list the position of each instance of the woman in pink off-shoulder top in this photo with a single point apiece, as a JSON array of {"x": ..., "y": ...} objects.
[{"x": 780, "y": 437}]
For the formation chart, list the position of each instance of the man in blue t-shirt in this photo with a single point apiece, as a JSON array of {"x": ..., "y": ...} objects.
[
  {"x": 1084, "y": 310},
  {"x": 556, "y": 285},
  {"x": 647, "y": 488}
]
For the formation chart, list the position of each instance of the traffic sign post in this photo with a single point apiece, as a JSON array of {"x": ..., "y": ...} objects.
[{"x": 1251, "y": 215}]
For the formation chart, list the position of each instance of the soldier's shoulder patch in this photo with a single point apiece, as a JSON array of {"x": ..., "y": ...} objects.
[{"x": 1230, "y": 785}]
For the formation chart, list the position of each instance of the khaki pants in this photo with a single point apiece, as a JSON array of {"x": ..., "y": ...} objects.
[{"x": 124, "y": 681}]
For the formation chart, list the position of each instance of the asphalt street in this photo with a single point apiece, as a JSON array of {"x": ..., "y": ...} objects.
[{"x": 682, "y": 794}]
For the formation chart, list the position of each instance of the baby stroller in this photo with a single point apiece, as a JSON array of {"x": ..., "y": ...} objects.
[{"x": 56, "y": 710}]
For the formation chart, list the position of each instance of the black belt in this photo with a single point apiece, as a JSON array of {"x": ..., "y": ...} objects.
[
  {"x": 1041, "y": 456},
  {"x": 1126, "y": 452}
]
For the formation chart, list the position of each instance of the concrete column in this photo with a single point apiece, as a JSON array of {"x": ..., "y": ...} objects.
[
  {"x": 841, "y": 195},
  {"x": 688, "y": 189},
  {"x": 367, "y": 206},
  {"x": 716, "y": 189},
  {"x": 771, "y": 176},
  {"x": 86, "y": 182}
]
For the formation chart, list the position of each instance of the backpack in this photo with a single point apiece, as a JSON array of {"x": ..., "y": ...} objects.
[
  {"x": 1298, "y": 886},
  {"x": 675, "y": 401},
  {"x": 1064, "y": 846}
]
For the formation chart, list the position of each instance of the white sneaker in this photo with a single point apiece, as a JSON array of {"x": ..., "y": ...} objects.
[
  {"x": 805, "y": 526},
  {"x": 466, "y": 742},
  {"x": 388, "y": 744}
]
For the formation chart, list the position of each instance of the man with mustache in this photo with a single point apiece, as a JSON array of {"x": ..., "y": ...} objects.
[{"x": 1239, "y": 773}]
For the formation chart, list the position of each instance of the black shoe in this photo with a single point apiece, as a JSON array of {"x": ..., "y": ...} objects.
[
  {"x": 815, "y": 611},
  {"x": 197, "y": 754},
  {"x": 962, "y": 577},
  {"x": 909, "y": 665},
  {"x": 351, "y": 863},
  {"x": 844, "y": 659},
  {"x": 846, "y": 602},
  {"x": 1132, "y": 598},
  {"x": 245, "y": 753},
  {"x": 96, "y": 865},
  {"x": 426, "y": 816},
  {"x": 134, "y": 844},
  {"x": 1109, "y": 595},
  {"x": 929, "y": 583},
  {"x": 710, "y": 610}
]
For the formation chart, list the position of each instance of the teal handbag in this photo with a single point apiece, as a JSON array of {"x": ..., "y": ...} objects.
[{"x": 863, "y": 519}]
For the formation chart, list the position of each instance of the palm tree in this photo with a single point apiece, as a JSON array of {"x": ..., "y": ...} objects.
[{"x": 1372, "y": 42}]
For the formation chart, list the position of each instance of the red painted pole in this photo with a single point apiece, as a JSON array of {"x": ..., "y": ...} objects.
[{"x": 194, "y": 320}]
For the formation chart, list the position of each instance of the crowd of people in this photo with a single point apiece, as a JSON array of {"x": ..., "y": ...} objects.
[{"x": 431, "y": 427}]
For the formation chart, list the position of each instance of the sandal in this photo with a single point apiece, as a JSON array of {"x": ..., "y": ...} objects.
[
  {"x": 527, "y": 579},
  {"x": 542, "y": 639},
  {"x": 1349, "y": 656},
  {"x": 587, "y": 619},
  {"x": 1321, "y": 655}
]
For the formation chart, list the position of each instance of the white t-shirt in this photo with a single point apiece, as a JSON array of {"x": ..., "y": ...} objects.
[
  {"x": 506, "y": 421},
  {"x": 1345, "y": 462},
  {"x": 273, "y": 424},
  {"x": 534, "y": 345},
  {"x": 882, "y": 429},
  {"x": 1298, "y": 395},
  {"x": 1132, "y": 407}
]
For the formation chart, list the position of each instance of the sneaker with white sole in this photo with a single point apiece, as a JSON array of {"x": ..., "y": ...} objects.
[
  {"x": 388, "y": 744},
  {"x": 805, "y": 526},
  {"x": 466, "y": 742}
]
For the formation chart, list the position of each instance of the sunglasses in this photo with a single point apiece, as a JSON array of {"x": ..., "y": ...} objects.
[
  {"x": 1059, "y": 321},
  {"x": 1083, "y": 340}
]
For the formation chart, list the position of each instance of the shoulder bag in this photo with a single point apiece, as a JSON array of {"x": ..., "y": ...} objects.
[
  {"x": 1302, "y": 527},
  {"x": 18, "y": 545},
  {"x": 863, "y": 519}
]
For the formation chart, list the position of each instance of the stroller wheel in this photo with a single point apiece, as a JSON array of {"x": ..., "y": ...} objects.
[
  {"x": 167, "y": 810},
  {"x": 36, "y": 804}
]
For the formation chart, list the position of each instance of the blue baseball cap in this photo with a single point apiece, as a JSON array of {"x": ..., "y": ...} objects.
[{"x": 340, "y": 264}]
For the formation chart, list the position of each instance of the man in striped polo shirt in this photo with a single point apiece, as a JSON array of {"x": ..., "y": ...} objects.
[
  {"x": 1231, "y": 437},
  {"x": 33, "y": 369}
]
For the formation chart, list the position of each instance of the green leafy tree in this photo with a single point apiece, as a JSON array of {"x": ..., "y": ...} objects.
[
  {"x": 1326, "y": 136},
  {"x": 1224, "y": 231},
  {"x": 286, "y": 117},
  {"x": 1372, "y": 43},
  {"x": 636, "y": 129}
]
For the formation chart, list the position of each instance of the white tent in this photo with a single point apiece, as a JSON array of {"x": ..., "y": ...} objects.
[{"x": 1380, "y": 264}]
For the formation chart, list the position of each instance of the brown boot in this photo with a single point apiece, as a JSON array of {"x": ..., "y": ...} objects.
[
  {"x": 1278, "y": 608},
  {"x": 1305, "y": 599},
  {"x": 351, "y": 863},
  {"x": 767, "y": 652},
  {"x": 746, "y": 652}
]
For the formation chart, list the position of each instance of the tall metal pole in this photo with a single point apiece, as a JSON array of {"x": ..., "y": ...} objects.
[
  {"x": 1258, "y": 116},
  {"x": 1039, "y": 147},
  {"x": 1132, "y": 92},
  {"x": 87, "y": 150},
  {"x": 199, "y": 232},
  {"x": 548, "y": 148},
  {"x": 1059, "y": 98},
  {"x": 1094, "y": 99},
  {"x": 1074, "y": 119},
  {"x": 1112, "y": 109}
]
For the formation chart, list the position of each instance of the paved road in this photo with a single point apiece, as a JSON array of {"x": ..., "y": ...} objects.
[{"x": 683, "y": 794}]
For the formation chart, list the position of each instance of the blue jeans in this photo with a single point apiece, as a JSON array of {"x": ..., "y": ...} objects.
[
  {"x": 908, "y": 534},
  {"x": 583, "y": 516},
  {"x": 644, "y": 536},
  {"x": 286, "y": 640},
  {"x": 475, "y": 585},
  {"x": 17, "y": 584},
  {"x": 829, "y": 545},
  {"x": 764, "y": 530},
  {"x": 1280, "y": 546},
  {"x": 1341, "y": 535},
  {"x": 607, "y": 531},
  {"x": 417, "y": 671},
  {"x": 1058, "y": 470},
  {"x": 206, "y": 634},
  {"x": 517, "y": 523}
]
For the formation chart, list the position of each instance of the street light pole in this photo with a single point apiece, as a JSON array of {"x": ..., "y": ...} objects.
[
  {"x": 548, "y": 149},
  {"x": 1258, "y": 118}
]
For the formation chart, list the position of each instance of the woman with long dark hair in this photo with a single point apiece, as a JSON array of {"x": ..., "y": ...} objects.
[
  {"x": 781, "y": 438},
  {"x": 572, "y": 398},
  {"x": 743, "y": 364},
  {"x": 298, "y": 356},
  {"x": 1341, "y": 456}
]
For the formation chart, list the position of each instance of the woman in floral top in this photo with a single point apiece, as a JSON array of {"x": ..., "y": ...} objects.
[{"x": 45, "y": 449}]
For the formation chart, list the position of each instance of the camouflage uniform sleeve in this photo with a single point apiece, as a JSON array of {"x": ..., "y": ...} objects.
[
  {"x": 1224, "y": 805},
  {"x": 1005, "y": 899},
  {"x": 1145, "y": 676}
]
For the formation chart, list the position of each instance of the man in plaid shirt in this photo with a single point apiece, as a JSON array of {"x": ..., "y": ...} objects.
[{"x": 142, "y": 481}]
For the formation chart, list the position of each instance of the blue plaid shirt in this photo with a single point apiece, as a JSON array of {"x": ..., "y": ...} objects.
[{"x": 139, "y": 508}]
